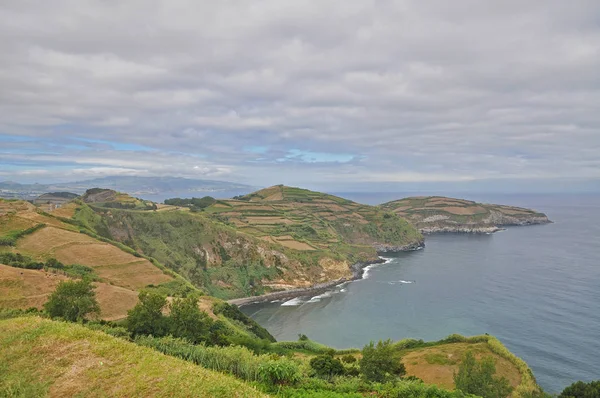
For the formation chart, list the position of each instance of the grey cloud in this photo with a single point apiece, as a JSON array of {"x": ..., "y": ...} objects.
[{"x": 416, "y": 91}]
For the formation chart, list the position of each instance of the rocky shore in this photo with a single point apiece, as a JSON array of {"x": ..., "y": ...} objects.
[
  {"x": 448, "y": 226},
  {"x": 358, "y": 270}
]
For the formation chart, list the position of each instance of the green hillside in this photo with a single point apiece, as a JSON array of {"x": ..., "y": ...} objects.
[
  {"x": 38, "y": 250},
  {"x": 310, "y": 220},
  {"x": 441, "y": 214},
  {"x": 40, "y": 358},
  {"x": 273, "y": 239}
]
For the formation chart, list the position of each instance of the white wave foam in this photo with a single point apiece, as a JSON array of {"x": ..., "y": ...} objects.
[
  {"x": 366, "y": 271},
  {"x": 343, "y": 290},
  {"x": 293, "y": 302},
  {"x": 401, "y": 281}
]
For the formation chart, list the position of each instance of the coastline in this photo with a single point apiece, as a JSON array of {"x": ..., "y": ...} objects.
[{"x": 358, "y": 271}]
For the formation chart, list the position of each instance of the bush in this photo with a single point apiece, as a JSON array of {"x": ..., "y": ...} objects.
[
  {"x": 381, "y": 362},
  {"x": 582, "y": 390},
  {"x": 349, "y": 358},
  {"x": 477, "y": 377},
  {"x": 279, "y": 372},
  {"x": 326, "y": 366},
  {"x": 188, "y": 322},
  {"x": 73, "y": 301},
  {"x": 147, "y": 317}
]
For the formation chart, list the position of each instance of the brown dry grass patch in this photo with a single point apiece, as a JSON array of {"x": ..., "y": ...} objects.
[
  {"x": 46, "y": 240},
  {"x": 25, "y": 288},
  {"x": 13, "y": 207},
  {"x": 111, "y": 263},
  {"x": 274, "y": 197},
  {"x": 464, "y": 211},
  {"x": 418, "y": 364},
  {"x": 268, "y": 220},
  {"x": 40, "y": 218},
  {"x": 514, "y": 212},
  {"x": 294, "y": 244},
  {"x": 11, "y": 222}
]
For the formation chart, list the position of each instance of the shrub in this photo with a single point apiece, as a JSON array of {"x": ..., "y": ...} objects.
[
  {"x": 349, "y": 358},
  {"x": 279, "y": 372},
  {"x": 381, "y": 362},
  {"x": 582, "y": 390},
  {"x": 326, "y": 366},
  {"x": 477, "y": 377},
  {"x": 147, "y": 317},
  {"x": 73, "y": 301},
  {"x": 187, "y": 321}
]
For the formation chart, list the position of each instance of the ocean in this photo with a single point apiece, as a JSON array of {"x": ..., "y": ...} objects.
[{"x": 536, "y": 288}]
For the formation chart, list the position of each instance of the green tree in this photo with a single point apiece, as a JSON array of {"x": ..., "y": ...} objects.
[
  {"x": 581, "y": 389},
  {"x": 147, "y": 317},
  {"x": 326, "y": 366},
  {"x": 188, "y": 321},
  {"x": 73, "y": 301},
  {"x": 381, "y": 362},
  {"x": 477, "y": 377}
]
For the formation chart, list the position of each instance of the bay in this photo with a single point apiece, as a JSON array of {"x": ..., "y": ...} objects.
[{"x": 536, "y": 288}]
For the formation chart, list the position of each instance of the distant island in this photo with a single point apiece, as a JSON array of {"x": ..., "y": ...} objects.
[{"x": 432, "y": 214}]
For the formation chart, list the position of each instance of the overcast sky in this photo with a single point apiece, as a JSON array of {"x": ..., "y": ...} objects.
[{"x": 314, "y": 93}]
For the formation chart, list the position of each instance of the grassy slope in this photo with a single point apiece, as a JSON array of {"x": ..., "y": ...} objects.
[
  {"x": 121, "y": 274},
  {"x": 46, "y": 358},
  {"x": 436, "y": 362},
  {"x": 450, "y": 211}
]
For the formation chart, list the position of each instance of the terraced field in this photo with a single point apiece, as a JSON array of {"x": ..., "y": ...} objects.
[
  {"x": 307, "y": 220},
  {"x": 442, "y": 214},
  {"x": 110, "y": 263}
]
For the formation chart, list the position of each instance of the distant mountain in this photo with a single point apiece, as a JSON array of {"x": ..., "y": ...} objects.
[{"x": 131, "y": 185}]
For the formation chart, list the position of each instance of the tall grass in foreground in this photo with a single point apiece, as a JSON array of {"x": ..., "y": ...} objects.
[{"x": 235, "y": 360}]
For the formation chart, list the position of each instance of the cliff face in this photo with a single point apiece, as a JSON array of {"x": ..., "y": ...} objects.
[{"x": 434, "y": 214}]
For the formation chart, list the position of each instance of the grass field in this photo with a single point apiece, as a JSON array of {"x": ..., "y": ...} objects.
[
  {"x": 25, "y": 288},
  {"x": 40, "y": 358},
  {"x": 437, "y": 365}
]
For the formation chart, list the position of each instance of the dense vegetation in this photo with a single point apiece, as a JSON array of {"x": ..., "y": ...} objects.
[
  {"x": 193, "y": 203},
  {"x": 581, "y": 389},
  {"x": 19, "y": 260}
]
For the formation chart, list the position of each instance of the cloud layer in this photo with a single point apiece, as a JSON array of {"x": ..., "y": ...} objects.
[{"x": 301, "y": 92}]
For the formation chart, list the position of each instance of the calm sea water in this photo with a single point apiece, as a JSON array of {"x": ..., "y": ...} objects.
[{"x": 536, "y": 288}]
